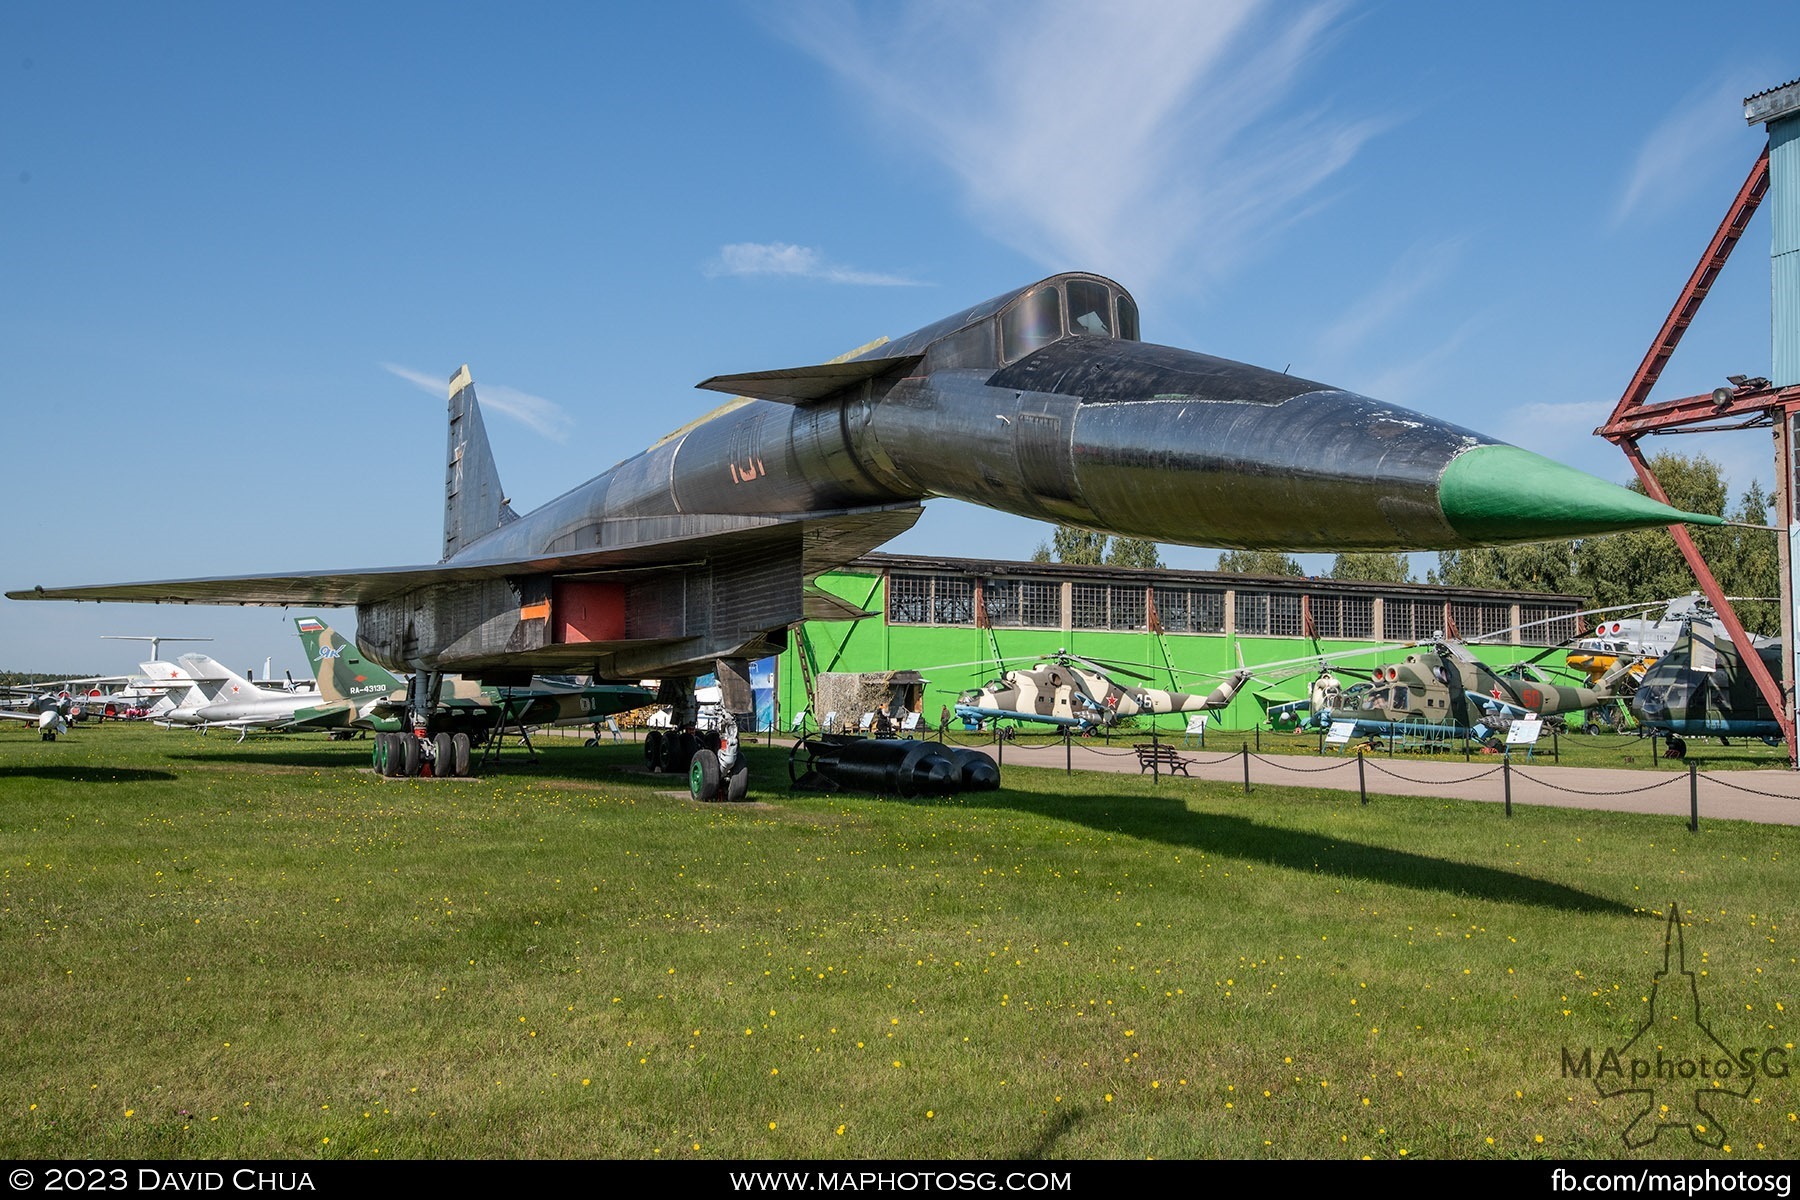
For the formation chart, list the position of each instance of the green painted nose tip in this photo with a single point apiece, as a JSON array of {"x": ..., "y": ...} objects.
[{"x": 1505, "y": 494}]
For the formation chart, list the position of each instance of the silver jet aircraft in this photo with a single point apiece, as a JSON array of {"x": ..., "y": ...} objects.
[{"x": 700, "y": 553}]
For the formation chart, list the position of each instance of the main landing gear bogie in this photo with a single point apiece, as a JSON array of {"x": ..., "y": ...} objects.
[
  {"x": 696, "y": 754},
  {"x": 404, "y": 755}
]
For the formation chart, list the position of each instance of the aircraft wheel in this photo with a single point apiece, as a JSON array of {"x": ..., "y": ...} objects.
[
  {"x": 443, "y": 763},
  {"x": 685, "y": 746},
  {"x": 410, "y": 755},
  {"x": 653, "y": 749},
  {"x": 49, "y": 735},
  {"x": 378, "y": 755},
  {"x": 397, "y": 755},
  {"x": 459, "y": 754},
  {"x": 591, "y": 743},
  {"x": 703, "y": 776},
  {"x": 738, "y": 786},
  {"x": 1677, "y": 748}
]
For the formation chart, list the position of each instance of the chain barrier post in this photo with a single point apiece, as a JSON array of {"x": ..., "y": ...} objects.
[
  {"x": 1068, "y": 751},
  {"x": 1506, "y": 778},
  {"x": 1693, "y": 797},
  {"x": 1361, "y": 784},
  {"x": 1246, "y": 768}
]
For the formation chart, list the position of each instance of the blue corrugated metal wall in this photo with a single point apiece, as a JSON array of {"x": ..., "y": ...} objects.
[{"x": 1784, "y": 190}]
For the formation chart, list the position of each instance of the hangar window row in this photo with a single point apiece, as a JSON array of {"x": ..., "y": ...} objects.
[{"x": 937, "y": 598}]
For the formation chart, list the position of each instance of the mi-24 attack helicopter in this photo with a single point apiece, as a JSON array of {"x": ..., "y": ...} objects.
[
  {"x": 1079, "y": 693},
  {"x": 1701, "y": 688},
  {"x": 1441, "y": 687}
]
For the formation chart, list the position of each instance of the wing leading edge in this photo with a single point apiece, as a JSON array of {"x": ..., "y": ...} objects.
[{"x": 628, "y": 546}]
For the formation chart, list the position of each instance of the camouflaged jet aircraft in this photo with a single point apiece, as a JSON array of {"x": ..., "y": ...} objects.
[{"x": 357, "y": 695}]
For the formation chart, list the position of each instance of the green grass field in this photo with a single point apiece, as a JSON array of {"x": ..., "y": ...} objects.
[{"x": 264, "y": 951}]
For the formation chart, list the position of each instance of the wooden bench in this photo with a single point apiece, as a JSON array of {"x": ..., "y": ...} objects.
[{"x": 1160, "y": 755}]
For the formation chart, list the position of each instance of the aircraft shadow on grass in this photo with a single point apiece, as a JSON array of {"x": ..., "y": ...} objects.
[
  {"x": 295, "y": 756},
  {"x": 67, "y": 774},
  {"x": 1170, "y": 822}
]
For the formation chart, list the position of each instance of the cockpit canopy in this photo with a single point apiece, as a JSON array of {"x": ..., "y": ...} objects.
[
  {"x": 1066, "y": 306},
  {"x": 1009, "y": 327}
]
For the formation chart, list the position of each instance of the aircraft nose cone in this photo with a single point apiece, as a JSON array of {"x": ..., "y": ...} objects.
[{"x": 1490, "y": 493}]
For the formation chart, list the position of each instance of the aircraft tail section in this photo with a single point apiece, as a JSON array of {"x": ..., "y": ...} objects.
[
  {"x": 343, "y": 673},
  {"x": 474, "y": 502},
  {"x": 213, "y": 678},
  {"x": 173, "y": 683}
]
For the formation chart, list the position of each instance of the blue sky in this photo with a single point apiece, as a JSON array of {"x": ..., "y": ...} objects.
[{"x": 245, "y": 245}]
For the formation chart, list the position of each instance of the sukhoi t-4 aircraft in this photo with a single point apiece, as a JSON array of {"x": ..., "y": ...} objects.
[{"x": 700, "y": 553}]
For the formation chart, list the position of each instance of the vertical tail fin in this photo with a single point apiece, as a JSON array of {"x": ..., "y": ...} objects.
[
  {"x": 474, "y": 503},
  {"x": 174, "y": 683},
  {"x": 343, "y": 673},
  {"x": 213, "y": 678}
]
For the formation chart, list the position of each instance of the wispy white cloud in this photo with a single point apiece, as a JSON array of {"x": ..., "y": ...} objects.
[
  {"x": 1687, "y": 152},
  {"x": 539, "y": 415},
  {"x": 1413, "y": 275},
  {"x": 782, "y": 258},
  {"x": 1423, "y": 379},
  {"x": 1143, "y": 139}
]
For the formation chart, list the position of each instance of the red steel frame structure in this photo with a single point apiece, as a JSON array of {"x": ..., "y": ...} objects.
[{"x": 1751, "y": 403}]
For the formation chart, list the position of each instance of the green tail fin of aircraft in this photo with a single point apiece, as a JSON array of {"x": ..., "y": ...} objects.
[{"x": 343, "y": 673}]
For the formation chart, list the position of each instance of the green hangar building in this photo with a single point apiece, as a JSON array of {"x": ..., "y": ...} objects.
[{"x": 960, "y": 622}]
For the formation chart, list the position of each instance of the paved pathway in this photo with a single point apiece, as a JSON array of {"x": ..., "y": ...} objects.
[{"x": 1772, "y": 797}]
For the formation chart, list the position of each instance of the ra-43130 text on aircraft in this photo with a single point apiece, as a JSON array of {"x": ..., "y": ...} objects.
[{"x": 700, "y": 553}]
